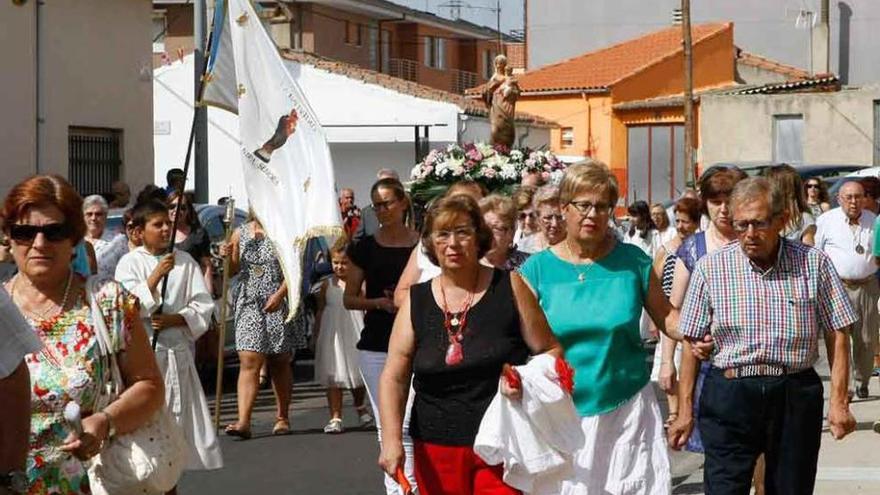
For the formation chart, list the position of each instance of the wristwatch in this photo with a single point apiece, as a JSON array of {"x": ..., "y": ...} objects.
[{"x": 14, "y": 481}]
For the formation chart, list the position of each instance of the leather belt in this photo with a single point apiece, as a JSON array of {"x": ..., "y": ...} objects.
[
  {"x": 853, "y": 282},
  {"x": 752, "y": 370}
]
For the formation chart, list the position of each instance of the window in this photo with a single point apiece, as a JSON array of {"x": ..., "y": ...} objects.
[
  {"x": 94, "y": 158},
  {"x": 435, "y": 52},
  {"x": 353, "y": 32},
  {"x": 159, "y": 28},
  {"x": 567, "y": 137},
  {"x": 655, "y": 162},
  {"x": 788, "y": 138}
]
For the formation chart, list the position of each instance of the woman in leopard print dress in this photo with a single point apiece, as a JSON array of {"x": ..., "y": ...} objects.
[{"x": 261, "y": 334}]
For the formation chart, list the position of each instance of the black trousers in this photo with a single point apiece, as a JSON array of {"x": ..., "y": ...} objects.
[{"x": 780, "y": 417}]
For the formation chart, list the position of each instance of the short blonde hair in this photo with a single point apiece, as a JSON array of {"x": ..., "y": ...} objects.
[
  {"x": 501, "y": 206},
  {"x": 546, "y": 195},
  {"x": 522, "y": 197},
  {"x": 590, "y": 176}
]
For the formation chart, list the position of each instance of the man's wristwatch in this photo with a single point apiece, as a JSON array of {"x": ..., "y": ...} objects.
[{"x": 14, "y": 481}]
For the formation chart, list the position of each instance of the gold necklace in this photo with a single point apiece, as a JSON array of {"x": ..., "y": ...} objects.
[
  {"x": 42, "y": 316},
  {"x": 581, "y": 275}
]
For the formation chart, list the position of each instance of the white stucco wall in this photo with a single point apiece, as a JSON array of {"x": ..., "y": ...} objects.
[
  {"x": 358, "y": 152},
  {"x": 91, "y": 57},
  {"x": 479, "y": 129},
  {"x": 838, "y": 127}
]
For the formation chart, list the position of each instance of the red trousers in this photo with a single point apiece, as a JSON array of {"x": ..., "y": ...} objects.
[{"x": 446, "y": 470}]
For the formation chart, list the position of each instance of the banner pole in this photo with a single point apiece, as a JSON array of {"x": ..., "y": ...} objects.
[
  {"x": 229, "y": 221},
  {"x": 179, "y": 191}
]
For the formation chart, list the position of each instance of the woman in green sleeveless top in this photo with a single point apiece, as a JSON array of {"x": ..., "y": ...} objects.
[{"x": 593, "y": 289}]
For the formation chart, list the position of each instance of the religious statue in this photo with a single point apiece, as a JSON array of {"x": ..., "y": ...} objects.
[{"x": 500, "y": 95}]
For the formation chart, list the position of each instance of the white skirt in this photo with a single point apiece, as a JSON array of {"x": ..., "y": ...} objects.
[
  {"x": 186, "y": 402},
  {"x": 658, "y": 358},
  {"x": 624, "y": 451}
]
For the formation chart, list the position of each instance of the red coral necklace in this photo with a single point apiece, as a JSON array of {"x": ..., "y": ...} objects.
[{"x": 455, "y": 324}]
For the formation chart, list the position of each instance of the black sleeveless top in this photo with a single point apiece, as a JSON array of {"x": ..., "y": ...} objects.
[
  {"x": 450, "y": 400},
  {"x": 382, "y": 268}
]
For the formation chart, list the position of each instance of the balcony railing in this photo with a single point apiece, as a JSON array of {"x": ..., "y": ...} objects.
[
  {"x": 403, "y": 68},
  {"x": 462, "y": 80}
]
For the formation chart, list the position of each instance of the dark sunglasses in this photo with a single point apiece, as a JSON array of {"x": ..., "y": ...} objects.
[
  {"x": 812, "y": 186},
  {"x": 54, "y": 232}
]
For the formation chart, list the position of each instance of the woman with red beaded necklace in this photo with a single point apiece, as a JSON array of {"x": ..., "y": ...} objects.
[{"x": 453, "y": 336}]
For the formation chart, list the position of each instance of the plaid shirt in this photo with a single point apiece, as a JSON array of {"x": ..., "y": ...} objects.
[{"x": 765, "y": 317}]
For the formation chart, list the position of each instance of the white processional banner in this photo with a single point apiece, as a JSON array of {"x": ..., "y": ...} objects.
[{"x": 288, "y": 171}]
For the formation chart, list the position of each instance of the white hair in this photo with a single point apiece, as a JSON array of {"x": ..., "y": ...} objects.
[
  {"x": 95, "y": 200},
  {"x": 387, "y": 172}
]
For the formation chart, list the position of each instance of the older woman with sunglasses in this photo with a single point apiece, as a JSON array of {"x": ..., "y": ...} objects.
[
  {"x": 43, "y": 219},
  {"x": 593, "y": 289},
  {"x": 454, "y": 335}
]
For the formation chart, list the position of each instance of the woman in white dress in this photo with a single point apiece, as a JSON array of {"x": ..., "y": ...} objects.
[
  {"x": 663, "y": 222},
  {"x": 185, "y": 316},
  {"x": 336, "y": 333}
]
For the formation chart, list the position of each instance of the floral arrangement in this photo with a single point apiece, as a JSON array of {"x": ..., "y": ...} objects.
[{"x": 498, "y": 168}]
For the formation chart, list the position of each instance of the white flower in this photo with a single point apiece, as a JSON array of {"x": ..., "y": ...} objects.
[{"x": 508, "y": 171}]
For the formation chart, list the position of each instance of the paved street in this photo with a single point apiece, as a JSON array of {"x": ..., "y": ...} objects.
[{"x": 310, "y": 462}]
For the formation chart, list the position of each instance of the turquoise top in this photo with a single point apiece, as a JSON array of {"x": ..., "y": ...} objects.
[{"x": 597, "y": 321}]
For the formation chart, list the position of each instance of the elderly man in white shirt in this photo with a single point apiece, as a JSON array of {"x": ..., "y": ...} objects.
[{"x": 846, "y": 235}]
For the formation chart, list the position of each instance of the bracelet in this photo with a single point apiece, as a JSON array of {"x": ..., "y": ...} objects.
[{"x": 111, "y": 429}]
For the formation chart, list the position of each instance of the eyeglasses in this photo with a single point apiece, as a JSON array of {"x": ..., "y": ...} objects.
[
  {"x": 53, "y": 232},
  {"x": 460, "y": 234},
  {"x": 526, "y": 214},
  {"x": 549, "y": 219},
  {"x": 182, "y": 207},
  {"x": 743, "y": 225},
  {"x": 584, "y": 207},
  {"x": 853, "y": 198},
  {"x": 380, "y": 205},
  {"x": 812, "y": 186}
]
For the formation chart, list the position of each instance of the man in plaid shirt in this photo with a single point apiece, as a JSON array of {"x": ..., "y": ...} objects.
[{"x": 766, "y": 301}]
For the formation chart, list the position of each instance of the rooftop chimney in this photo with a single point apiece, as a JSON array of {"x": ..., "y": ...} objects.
[{"x": 821, "y": 46}]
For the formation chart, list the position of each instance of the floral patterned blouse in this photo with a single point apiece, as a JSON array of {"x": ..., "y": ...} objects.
[{"x": 69, "y": 368}]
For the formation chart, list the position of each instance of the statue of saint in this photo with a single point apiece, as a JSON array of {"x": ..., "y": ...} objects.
[{"x": 500, "y": 95}]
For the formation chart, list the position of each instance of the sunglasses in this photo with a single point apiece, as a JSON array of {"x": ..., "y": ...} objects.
[
  {"x": 53, "y": 232},
  {"x": 812, "y": 186}
]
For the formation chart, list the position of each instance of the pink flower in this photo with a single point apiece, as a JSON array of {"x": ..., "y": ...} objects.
[
  {"x": 489, "y": 172},
  {"x": 545, "y": 176}
]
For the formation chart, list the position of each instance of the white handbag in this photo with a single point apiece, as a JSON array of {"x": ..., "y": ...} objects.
[{"x": 148, "y": 460}]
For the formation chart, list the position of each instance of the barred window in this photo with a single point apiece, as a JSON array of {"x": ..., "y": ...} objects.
[{"x": 94, "y": 158}]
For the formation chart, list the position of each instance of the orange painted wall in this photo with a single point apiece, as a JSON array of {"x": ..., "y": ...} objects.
[
  {"x": 587, "y": 115},
  {"x": 714, "y": 65}
]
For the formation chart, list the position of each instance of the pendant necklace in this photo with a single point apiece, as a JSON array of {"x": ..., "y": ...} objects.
[
  {"x": 455, "y": 325},
  {"x": 857, "y": 238},
  {"x": 42, "y": 315},
  {"x": 581, "y": 275}
]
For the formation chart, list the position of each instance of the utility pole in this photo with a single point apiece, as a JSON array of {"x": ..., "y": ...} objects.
[
  {"x": 498, "y": 24},
  {"x": 200, "y": 144},
  {"x": 689, "y": 164}
]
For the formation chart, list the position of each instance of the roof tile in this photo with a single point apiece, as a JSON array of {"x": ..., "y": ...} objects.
[{"x": 602, "y": 68}]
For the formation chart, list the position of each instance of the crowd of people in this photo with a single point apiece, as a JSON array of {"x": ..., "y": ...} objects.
[{"x": 432, "y": 315}]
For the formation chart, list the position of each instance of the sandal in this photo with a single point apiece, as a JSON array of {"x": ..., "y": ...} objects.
[
  {"x": 670, "y": 420},
  {"x": 282, "y": 427},
  {"x": 234, "y": 430},
  {"x": 334, "y": 426}
]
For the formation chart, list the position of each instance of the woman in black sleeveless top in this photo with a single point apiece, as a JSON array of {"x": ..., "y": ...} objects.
[
  {"x": 377, "y": 262},
  {"x": 455, "y": 334}
]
